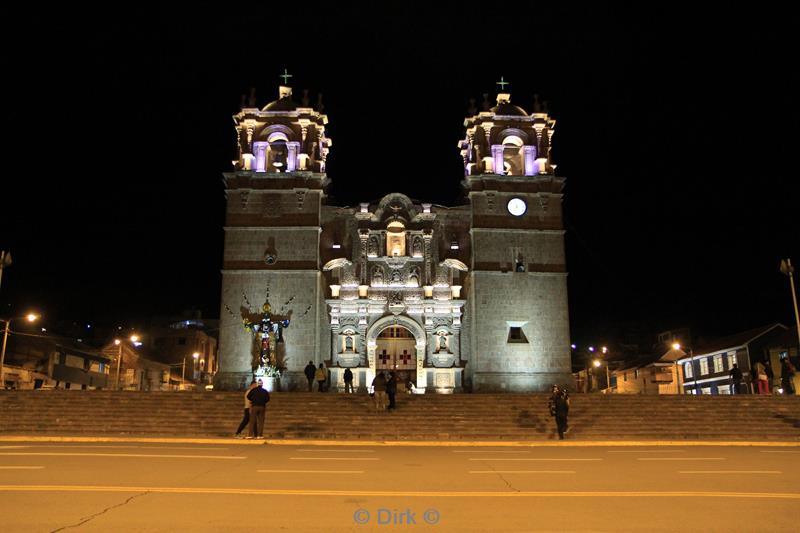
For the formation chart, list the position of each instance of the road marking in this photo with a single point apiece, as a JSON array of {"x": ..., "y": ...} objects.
[
  {"x": 21, "y": 467},
  {"x": 526, "y": 459},
  {"x": 521, "y": 471},
  {"x": 409, "y": 494},
  {"x": 336, "y": 451},
  {"x": 489, "y": 451},
  {"x": 80, "y": 447},
  {"x": 776, "y": 451},
  {"x": 311, "y": 471},
  {"x": 12, "y": 447},
  {"x": 730, "y": 472},
  {"x": 645, "y": 451},
  {"x": 334, "y": 458},
  {"x": 680, "y": 458},
  {"x": 160, "y": 456}
]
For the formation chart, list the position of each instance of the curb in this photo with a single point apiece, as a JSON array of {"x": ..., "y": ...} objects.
[{"x": 395, "y": 443}]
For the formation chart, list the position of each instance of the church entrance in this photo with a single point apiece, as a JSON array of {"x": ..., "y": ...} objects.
[{"x": 395, "y": 352}]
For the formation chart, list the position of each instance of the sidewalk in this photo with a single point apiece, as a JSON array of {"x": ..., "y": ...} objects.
[{"x": 395, "y": 443}]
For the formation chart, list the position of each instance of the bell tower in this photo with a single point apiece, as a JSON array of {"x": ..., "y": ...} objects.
[
  {"x": 271, "y": 251},
  {"x": 517, "y": 314}
]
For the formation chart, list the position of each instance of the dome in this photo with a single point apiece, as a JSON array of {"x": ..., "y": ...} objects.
[
  {"x": 284, "y": 104},
  {"x": 508, "y": 109}
]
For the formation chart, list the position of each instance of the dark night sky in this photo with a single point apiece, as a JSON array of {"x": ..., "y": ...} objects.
[{"x": 677, "y": 136}]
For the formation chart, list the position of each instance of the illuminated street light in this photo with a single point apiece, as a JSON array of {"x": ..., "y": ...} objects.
[
  {"x": 30, "y": 317},
  {"x": 117, "y": 342},
  {"x": 596, "y": 363}
]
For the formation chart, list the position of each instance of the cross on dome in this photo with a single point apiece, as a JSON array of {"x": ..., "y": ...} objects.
[
  {"x": 502, "y": 83},
  {"x": 285, "y": 76}
]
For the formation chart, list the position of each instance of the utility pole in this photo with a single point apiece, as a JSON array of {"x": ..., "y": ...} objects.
[
  {"x": 788, "y": 269},
  {"x": 5, "y": 261}
]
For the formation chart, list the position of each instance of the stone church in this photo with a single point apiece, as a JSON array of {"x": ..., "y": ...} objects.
[{"x": 471, "y": 297}]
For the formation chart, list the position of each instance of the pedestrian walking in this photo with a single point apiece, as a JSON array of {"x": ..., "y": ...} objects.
[
  {"x": 321, "y": 375},
  {"x": 787, "y": 376},
  {"x": 348, "y": 380},
  {"x": 246, "y": 418},
  {"x": 259, "y": 398},
  {"x": 736, "y": 379},
  {"x": 379, "y": 391},
  {"x": 309, "y": 371},
  {"x": 391, "y": 390},
  {"x": 559, "y": 409},
  {"x": 761, "y": 378}
]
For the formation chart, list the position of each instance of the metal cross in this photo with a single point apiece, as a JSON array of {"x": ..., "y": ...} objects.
[
  {"x": 502, "y": 83},
  {"x": 285, "y": 76}
]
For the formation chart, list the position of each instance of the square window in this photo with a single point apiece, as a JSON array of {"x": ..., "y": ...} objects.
[{"x": 516, "y": 335}]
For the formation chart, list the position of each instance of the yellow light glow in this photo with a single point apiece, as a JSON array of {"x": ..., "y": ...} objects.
[
  {"x": 134, "y": 338},
  {"x": 30, "y": 317},
  {"x": 195, "y": 355},
  {"x": 596, "y": 363},
  {"x": 604, "y": 349},
  {"x": 676, "y": 346},
  {"x": 117, "y": 342}
]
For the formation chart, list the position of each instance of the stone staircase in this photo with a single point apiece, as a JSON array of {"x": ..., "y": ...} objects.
[{"x": 418, "y": 417}]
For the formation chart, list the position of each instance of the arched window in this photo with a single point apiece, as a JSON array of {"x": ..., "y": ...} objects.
[{"x": 395, "y": 239}]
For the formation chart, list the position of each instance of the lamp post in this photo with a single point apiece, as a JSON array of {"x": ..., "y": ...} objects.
[
  {"x": 118, "y": 343},
  {"x": 788, "y": 269},
  {"x": 677, "y": 346},
  {"x": 195, "y": 356},
  {"x": 30, "y": 317}
]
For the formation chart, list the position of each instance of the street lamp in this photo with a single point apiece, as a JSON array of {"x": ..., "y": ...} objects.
[
  {"x": 597, "y": 363},
  {"x": 195, "y": 355},
  {"x": 118, "y": 343},
  {"x": 30, "y": 317},
  {"x": 677, "y": 346}
]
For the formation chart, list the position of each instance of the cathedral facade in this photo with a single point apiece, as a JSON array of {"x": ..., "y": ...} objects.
[{"x": 471, "y": 297}]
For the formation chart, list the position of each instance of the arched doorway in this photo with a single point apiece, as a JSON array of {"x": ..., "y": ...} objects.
[
  {"x": 395, "y": 351},
  {"x": 403, "y": 341}
]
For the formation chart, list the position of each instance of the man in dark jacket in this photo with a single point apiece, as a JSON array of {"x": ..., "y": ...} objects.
[
  {"x": 259, "y": 398},
  {"x": 561, "y": 409},
  {"x": 309, "y": 372},
  {"x": 348, "y": 380},
  {"x": 736, "y": 378},
  {"x": 391, "y": 390}
]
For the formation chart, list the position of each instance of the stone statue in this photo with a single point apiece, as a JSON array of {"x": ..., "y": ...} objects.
[{"x": 377, "y": 276}]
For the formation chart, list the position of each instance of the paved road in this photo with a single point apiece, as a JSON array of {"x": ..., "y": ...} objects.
[{"x": 235, "y": 487}]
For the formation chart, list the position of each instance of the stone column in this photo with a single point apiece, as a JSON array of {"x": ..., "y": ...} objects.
[
  {"x": 422, "y": 381},
  {"x": 530, "y": 160},
  {"x": 291, "y": 160},
  {"x": 363, "y": 235},
  {"x": 261, "y": 155},
  {"x": 427, "y": 235},
  {"x": 497, "y": 156}
]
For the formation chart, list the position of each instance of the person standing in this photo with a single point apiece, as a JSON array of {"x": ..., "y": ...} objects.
[
  {"x": 391, "y": 390},
  {"x": 379, "y": 390},
  {"x": 787, "y": 376},
  {"x": 321, "y": 375},
  {"x": 309, "y": 371},
  {"x": 259, "y": 398},
  {"x": 770, "y": 376},
  {"x": 736, "y": 378},
  {"x": 246, "y": 418},
  {"x": 348, "y": 380},
  {"x": 761, "y": 378}
]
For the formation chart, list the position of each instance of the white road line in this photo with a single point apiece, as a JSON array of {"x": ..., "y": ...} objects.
[
  {"x": 680, "y": 458},
  {"x": 311, "y": 471},
  {"x": 159, "y": 456},
  {"x": 21, "y": 467},
  {"x": 12, "y": 447},
  {"x": 521, "y": 471},
  {"x": 80, "y": 446},
  {"x": 336, "y": 451},
  {"x": 526, "y": 459},
  {"x": 489, "y": 451},
  {"x": 334, "y": 458},
  {"x": 777, "y": 451},
  {"x": 730, "y": 472},
  {"x": 645, "y": 451}
]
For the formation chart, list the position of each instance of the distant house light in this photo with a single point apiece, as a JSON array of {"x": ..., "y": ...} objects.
[
  {"x": 336, "y": 246},
  {"x": 454, "y": 245},
  {"x": 137, "y": 343}
]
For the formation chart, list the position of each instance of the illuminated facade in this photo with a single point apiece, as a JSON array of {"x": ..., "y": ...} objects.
[{"x": 469, "y": 297}]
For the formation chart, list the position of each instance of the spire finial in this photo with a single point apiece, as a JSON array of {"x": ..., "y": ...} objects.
[
  {"x": 502, "y": 83},
  {"x": 285, "y": 76}
]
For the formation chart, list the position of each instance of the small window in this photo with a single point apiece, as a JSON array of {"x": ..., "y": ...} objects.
[
  {"x": 515, "y": 335},
  {"x": 718, "y": 363},
  {"x": 688, "y": 370},
  {"x": 624, "y": 376},
  {"x": 704, "y": 366},
  {"x": 731, "y": 359}
]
